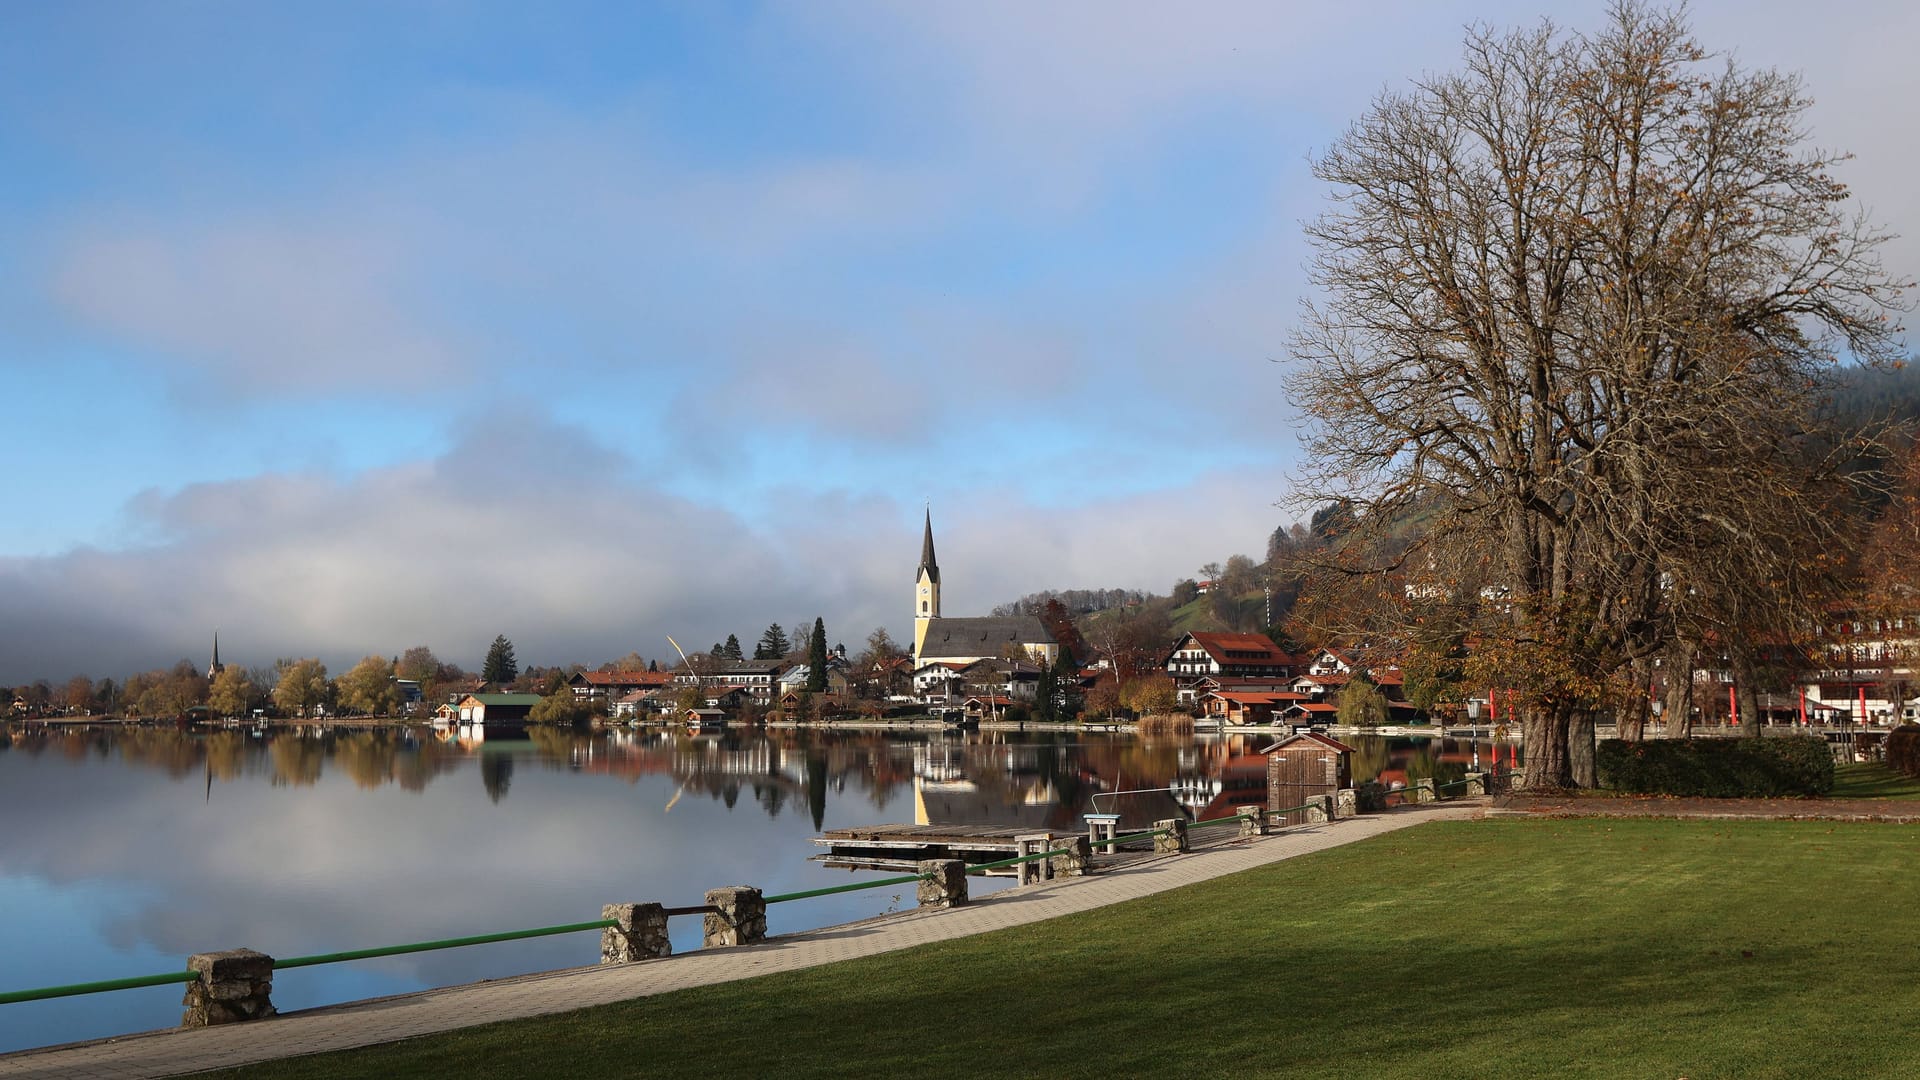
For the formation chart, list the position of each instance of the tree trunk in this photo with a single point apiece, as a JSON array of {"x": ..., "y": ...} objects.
[
  {"x": 1580, "y": 750},
  {"x": 1679, "y": 697},
  {"x": 1543, "y": 734},
  {"x": 1631, "y": 719}
]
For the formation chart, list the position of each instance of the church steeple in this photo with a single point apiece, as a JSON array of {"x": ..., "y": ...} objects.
[
  {"x": 928, "y": 567},
  {"x": 926, "y": 589},
  {"x": 216, "y": 667}
]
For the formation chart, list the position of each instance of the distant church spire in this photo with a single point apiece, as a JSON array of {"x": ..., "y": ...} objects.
[
  {"x": 216, "y": 667},
  {"x": 927, "y": 564}
]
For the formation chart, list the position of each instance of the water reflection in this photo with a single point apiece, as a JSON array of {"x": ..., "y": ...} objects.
[{"x": 147, "y": 844}]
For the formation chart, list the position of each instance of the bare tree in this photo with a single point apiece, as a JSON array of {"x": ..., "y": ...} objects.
[{"x": 1579, "y": 298}]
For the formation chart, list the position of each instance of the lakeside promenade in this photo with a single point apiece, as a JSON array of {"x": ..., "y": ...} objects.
[{"x": 172, "y": 1052}]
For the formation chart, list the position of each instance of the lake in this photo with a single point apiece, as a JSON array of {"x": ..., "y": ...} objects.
[{"x": 125, "y": 849}]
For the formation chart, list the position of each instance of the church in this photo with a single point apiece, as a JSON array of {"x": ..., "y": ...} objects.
[{"x": 962, "y": 641}]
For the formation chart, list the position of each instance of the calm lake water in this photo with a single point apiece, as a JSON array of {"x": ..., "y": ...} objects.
[{"x": 122, "y": 851}]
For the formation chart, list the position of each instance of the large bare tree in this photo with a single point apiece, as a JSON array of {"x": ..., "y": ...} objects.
[{"x": 1577, "y": 302}]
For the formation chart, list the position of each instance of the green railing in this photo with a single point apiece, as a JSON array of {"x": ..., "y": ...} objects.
[
  {"x": 180, "y": 977},
  {"x": 174, "y": 977}
]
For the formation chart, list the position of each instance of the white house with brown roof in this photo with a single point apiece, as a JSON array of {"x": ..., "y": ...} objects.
[{"x": 1223, "y": 658}]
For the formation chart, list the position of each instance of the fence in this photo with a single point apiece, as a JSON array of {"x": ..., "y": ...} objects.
[{"x": 228, "y": 986}]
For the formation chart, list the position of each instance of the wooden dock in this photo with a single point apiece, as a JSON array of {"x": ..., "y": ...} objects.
[{"x": 902, "y": 847}]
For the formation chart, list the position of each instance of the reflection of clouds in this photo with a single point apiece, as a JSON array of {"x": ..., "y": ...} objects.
[{"x": 305, "y": 845}]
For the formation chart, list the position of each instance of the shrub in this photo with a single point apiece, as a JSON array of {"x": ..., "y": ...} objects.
[
  {"x": 1718, "y": 768},
  {"x": 1167, "y": 723},
  {"x": 1903, "y": 748}
]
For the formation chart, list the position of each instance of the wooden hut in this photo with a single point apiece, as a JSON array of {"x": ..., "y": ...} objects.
[{"x": 1304, "y": 765}]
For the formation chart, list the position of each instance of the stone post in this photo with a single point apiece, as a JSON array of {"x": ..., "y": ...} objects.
[
  {"x": 233, "y": 986},
  {"x": 1077, "y": 858},
  {"x": 1476, "y": 784},
  {"x": 1253, "y": 820},
  {"x": 1319, "y": 809},
  {"x": 1170, "y": 837},
  {"x": 741, "y": 920},
  {"x": 1346, "y": 803},
  {"x": 640, "y": 935},
  {"x": 1423, "y": 791},
  {"x": 943, "y": 883},
  {"x": 1028, "y": 873}
]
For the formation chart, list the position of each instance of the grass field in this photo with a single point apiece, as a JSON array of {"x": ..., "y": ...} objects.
[
  {"x": 1872, "y": 781},
  {"x": 1505, "y": 948}
]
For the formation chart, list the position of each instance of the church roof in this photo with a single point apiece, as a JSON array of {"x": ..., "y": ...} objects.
[{"x": 982, "y": 636}]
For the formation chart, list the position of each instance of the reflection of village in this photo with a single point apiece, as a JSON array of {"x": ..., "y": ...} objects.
[{"x": 1042, "y": 780}]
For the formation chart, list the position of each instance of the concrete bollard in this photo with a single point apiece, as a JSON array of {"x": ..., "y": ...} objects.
[
  {"x": 741, "y": 920},
  {"x": 1075, "y": 858},
  {"x": 1319, "y": 809},
  {"x": 943, "y": 884},
  {"x": 1029, "y": 873},
  {"x": 233, "y": 986},
  {"x": 1423, "y": 791},
  {"x": 1253, "y": 820},
  {"x": 641, "y": 933},
  {"x": 1346, "y": 804},
  {"x": 1476, "y": 784},
  {"x": 1170, "y": 837}
]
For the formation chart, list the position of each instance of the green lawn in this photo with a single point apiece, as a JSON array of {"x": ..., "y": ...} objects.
[
  {"x": 1872, "y": 781},
  {"x": 1505, "y": 948}
]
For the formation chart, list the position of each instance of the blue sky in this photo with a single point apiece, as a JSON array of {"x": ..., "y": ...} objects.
[{"x": 351, "y": 327}]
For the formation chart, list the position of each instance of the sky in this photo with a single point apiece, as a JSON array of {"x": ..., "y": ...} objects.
[{"x": 345, "y": 328}]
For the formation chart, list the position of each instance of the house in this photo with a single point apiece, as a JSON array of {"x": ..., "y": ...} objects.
[
  {"x": 612, "y": 685},
  {"x": 1240, "y": 707},
  {"x": 988, "y": 705},
  {"x": 1204, "y": 654},
  {"x": 938, "y": 680},
  {"x": 794, "y": 679},
  {"x": 494, "y": 710},
  {"x": 965, "y": 640},
  {"x": 756, "y": 677},
  {"x": 705, "y": 719}
]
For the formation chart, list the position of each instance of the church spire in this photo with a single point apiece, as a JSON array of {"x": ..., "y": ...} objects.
[
  {"x": 927, "y": 564},
  {"x": 216, "y": 667}
]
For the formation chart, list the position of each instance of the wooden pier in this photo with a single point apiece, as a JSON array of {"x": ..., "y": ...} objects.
[{"x": 903, "y": 847}]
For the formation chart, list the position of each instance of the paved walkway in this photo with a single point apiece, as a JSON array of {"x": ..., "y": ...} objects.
[{"x": 365, "y": 1023}]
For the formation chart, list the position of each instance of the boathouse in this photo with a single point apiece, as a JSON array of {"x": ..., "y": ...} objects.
[{"x": 1303, "y": 765}]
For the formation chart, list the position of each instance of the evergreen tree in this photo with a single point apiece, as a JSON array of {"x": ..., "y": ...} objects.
[
  {"x": 500, "y": 666},
  {"x": 773, "y": 644},
  {"x": 1046, "y": 695},
  {"x": 653, "y": 665},
  {"x": 732, "y": 650},
  {"x": 817, "y": 658},
  {"x": 718, "y": 652}
]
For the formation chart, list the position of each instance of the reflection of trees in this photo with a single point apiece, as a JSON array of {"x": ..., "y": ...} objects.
[
  {"x": 496, "y": 772},
  {"x": 226, "y": 753},
  {"x": 1370, "y": 756},
  {"x": 296, "y": 760},
  {"x": 366, "y": 757}
]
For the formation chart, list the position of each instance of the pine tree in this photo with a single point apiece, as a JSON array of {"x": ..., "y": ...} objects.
[
  {"x": 817, "y": 658},
  {"x": 500, "y": 666},
  {"x": 773, "y": 644},
  {"x": 732, "y": 649}
]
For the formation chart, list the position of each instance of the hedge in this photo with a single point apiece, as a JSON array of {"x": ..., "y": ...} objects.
[
  {"x": 1744, "y": 767},
  {"x": 1903, "y": 748}
]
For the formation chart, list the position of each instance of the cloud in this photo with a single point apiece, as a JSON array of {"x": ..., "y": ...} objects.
[
  {"x": 533, "y": 529},
  {"x": 259, "y": 306}
]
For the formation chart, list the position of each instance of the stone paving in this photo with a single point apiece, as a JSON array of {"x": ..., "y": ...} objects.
[{"x": 172, "y": 1052}]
